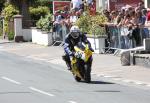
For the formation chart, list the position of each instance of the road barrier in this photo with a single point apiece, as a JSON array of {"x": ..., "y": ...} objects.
[{"x": 123, "y": 38}]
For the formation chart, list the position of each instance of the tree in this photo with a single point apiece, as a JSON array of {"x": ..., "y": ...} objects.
[
  {"x": 23, "y": 6},
  {"x": 1, "y": 4},
  {"x": 40, "y": 2}
]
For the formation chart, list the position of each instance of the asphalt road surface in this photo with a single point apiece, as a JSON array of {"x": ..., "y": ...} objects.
[{"x": 25, "y": 80}]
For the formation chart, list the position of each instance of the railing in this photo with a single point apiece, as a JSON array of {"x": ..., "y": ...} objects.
[
  {"x": 123, "y": 38},
  {"x": 117, "y": 37},
  {"x": 59, "y": 33}
]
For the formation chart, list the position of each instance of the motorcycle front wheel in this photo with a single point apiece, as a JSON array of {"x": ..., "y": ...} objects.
[
  {"x": 78, "y": 79},
  {"x": 87, "y": 75}
]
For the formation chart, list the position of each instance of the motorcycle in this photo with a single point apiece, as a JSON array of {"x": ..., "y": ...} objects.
[{"x": 81, "y": 63}]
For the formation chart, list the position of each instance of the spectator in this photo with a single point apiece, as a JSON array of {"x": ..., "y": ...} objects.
[
  {"x": 76, "y": 4},
  {"x": 145, "y": 31},
  {"x": 123, "y": 10},
  {"x": 141, "y": 18},
  {"x": 78, "y": 13},
  {"x": 148, "y": 17},
  {"x": 119, "y": 18},
  {"x": 58, "y": 26},
  {"x": 140, "y": 6},
  {"x": 92, "y": 8},
  {"x": 89, "y": 2},
  {"x": 73, "y": 17},
  {"x": 66, "y": 9},
  {"x": 133, "y": 20},
  {"x": 114, "y": 17},
  {"x": 136, "y": 29}
]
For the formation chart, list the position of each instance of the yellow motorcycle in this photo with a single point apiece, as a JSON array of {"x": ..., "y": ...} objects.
[{"x": 81, "y": 63}]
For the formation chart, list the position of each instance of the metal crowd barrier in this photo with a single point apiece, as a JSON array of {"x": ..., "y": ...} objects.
[
  {"x": 59, "y": 35},
  {"x": 123, "y": 38},
  {"x": 118, "y": 37}
]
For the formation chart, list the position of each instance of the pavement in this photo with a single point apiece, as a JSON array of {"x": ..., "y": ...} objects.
[
  {"x": 104, "y": 65},
  {"x": 3, "y": 41}
]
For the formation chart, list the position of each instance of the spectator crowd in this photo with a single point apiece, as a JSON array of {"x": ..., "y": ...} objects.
[
  {"x": 129, "y": 25},
  {"x": 63, "y": 23},
  {"x": 126, "y": 28}
]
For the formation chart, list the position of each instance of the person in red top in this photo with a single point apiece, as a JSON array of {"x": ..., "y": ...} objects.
[
  {"x": 92, "y": 8},
  {"x": 148, "y": 15}
]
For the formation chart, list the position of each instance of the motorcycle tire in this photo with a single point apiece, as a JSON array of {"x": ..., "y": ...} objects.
[
  {"x": 77, "y": 79},
  {"x": 87, "y": 75}
]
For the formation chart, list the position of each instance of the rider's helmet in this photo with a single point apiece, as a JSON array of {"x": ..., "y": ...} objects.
[{"x": 75, "y": 32}]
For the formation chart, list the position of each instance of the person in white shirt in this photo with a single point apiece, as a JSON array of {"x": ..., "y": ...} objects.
[
  {"x": 76, "y": 4},
  {"x": 73, "y": 17}
]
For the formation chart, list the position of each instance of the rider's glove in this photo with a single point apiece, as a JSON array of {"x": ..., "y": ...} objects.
[
  {"x": 89, "y": 45},
  {"x": 71, "y": 57},
  {"x": 78, "y": 55}
]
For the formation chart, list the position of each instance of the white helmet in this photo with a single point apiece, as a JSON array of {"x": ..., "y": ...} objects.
[{"x": 75, "y": 31}]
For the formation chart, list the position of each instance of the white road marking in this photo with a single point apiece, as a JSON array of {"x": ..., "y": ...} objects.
[
  {"x": 10, "y": 80},
  {"x": 1, "y": 47},
  {"x": 40, "y": 91},
  {"x": 100, "y": 75},
  {"x": 148, "y": 85},
  {"x": 127, "y": 81},
  {"x": 107, "y": 76},
  {"x": 57, "y": 61},
  {"x": 139, "y": 83},
  {"x": 123, "y": 80},
  {"x": 72, "y": 102},
  {"x": 93, "y": 73},
  {"x": 53, "y": 60},
  {"x": 117, "y": 79}
]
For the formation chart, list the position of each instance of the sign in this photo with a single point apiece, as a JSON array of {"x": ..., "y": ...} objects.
[
  {"x": 59, "y": 5},
  {"x": 117, "y": 4}
]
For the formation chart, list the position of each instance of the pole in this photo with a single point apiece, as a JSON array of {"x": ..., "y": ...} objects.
[{"x": 3, "y": 27}]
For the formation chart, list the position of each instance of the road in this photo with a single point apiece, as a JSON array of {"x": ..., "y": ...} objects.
[{"x": 24, "y": 80}]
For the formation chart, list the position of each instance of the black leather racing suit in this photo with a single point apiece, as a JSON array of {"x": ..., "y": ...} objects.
[{"x": 69, "y": 46}]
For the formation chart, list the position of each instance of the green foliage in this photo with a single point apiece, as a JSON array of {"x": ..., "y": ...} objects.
[
  {"x": 11, "y": 35},
  {"x": 84, "y": 23},
  {"x": 8, "y": 12},
  {"x": 40, "y": 2},
  {"x": 37, "y": 12},
  {"x": 45, "y": 23},
  {"x": 92, "y": 24},
  {"x": 97, "y": 21},
  {"x": 1, "y": 4},
  {"x": 2, "y": 1}
]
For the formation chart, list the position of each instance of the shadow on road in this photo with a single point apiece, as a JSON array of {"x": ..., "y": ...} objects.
[
  {"x": 107, "y": 91},
  {"x": 100, "y": 82}
]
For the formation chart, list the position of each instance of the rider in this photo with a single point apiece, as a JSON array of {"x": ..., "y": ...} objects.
[{"x": 72, "y": 39}]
